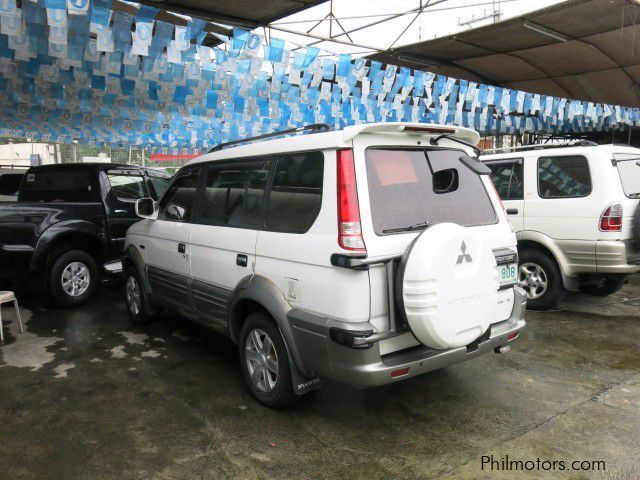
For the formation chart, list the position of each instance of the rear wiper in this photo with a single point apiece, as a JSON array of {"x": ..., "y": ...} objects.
[
  {"x": 435, "y": 140},
  {"x": 417, "y": 226}
]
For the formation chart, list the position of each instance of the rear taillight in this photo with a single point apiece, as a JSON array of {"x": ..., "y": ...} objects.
[
  {"x": 611, "y": 218},
  {"x": 349, "y": 228}
]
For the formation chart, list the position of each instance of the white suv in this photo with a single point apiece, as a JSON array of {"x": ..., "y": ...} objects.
[
  {"x": 367, "y": 255},
  {"x": 574, "y": 210}
]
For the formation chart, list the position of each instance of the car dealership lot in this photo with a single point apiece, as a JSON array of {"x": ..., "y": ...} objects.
[{"x": 86, "y": 395}]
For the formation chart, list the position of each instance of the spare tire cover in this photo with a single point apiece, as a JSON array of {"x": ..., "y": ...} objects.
[{"x": 448, "y": 286}]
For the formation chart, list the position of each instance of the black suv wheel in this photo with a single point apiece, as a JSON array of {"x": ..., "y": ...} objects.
[{"x": 73, "y": 277}]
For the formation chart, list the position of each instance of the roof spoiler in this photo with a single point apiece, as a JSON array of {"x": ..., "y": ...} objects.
[{"x": 425, "y": 129}]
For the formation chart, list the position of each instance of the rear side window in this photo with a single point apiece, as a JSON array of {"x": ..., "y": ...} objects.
[
  {"x": 296, "y": 193},
  {"x": 58, "y": 185},
  {"x": 563, "y": 177},
  {"x": 507, "y": 177},
  {"x": 405, "y": 190},
  {"x": 233, "y": 195},
  {"x": 9, "y": 186},
  {"x": 177, "y": 203},
  {"x": 127, "y": 187}
]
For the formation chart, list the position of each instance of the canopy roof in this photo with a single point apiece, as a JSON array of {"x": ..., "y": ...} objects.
[
  {"x": 237, "y": 13},
  {"x": 587, "y": 50}
]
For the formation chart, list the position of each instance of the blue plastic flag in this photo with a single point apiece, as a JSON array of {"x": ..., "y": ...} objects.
[
  {"x": 344, "y": 65},
  {"x": 275, "y": 50}
]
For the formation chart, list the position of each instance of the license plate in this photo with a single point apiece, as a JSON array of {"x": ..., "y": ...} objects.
[{"x": 507, "y": 274}]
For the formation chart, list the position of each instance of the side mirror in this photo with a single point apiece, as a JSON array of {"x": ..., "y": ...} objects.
[
  {"x": 146, "y": 208},
  {"x": 475, "y": 165}
]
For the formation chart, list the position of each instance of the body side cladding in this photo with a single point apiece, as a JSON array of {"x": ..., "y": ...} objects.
[{"x": 265, "y": 293}]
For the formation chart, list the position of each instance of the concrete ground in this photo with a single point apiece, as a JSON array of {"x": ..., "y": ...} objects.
[{"x": 84, "y": 395}]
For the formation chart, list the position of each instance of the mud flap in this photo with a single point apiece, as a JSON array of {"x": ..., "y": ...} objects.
[{"x": 301, "y": 383}]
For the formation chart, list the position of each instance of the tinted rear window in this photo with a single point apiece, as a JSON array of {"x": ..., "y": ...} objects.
[
  {"x": 9, "y": 186},
  {"x": 402, "y": 191},
  {"x": 58, "y": 185}
]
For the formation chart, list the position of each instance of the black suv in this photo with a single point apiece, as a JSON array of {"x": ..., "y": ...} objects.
[{"x": 69, "y": 223}]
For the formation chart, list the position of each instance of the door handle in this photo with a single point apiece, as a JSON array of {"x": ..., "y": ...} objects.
[
  {"x": 182, "y": 248},
  {"x": 120, "y": 212},
  {"x": 241, "y": 260},
  {"x": 512, "y": 211}
]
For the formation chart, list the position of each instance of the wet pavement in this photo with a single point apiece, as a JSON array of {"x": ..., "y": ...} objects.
[{"x": 85, "y": 395}]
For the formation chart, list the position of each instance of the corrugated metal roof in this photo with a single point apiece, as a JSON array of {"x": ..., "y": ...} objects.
[{"x": 598, "y": 58}]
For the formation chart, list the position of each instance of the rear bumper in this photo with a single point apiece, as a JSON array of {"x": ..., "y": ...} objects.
[
  {"x": 616, "y": 257},
  {"x": 365, "y": 367}
]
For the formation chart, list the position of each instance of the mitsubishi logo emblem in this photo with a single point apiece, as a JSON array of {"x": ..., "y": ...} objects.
[{"x": 464, "y": 256}]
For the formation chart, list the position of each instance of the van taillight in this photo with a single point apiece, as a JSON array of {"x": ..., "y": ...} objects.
[
  {"x": 349, "y": 228},
  {"x": 611, "y": 218}
]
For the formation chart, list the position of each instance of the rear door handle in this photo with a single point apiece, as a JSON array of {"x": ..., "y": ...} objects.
[
  {"x": 120, "y": 212},
  {"x": 241, "y": 260},
  {"x": 512, "y": 211},
  {"x": 182, "y": 248}
]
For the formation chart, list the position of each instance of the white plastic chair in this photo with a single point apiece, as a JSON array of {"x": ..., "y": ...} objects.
[{"x": 6, "y": 297}]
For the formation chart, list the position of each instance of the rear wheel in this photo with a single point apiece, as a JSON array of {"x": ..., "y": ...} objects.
[
  {"x": 73, "y": 278},
  {"x": 604, "y": 286},
  {"x": 540, "y": 278},
  {"x": 265, "y": 362}
]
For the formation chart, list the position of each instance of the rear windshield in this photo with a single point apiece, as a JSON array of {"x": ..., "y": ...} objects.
[
  {"x": 58, "y": 185},
  {"x": 628, "y": 165},
  {"x": 404, "y": 192}
]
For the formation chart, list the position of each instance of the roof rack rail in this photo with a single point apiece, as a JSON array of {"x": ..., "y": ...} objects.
[
  {"x": 313, "y": 128},
  {"x": 538, "y": 146}
]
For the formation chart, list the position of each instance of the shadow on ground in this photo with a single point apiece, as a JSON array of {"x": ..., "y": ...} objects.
[{"x": 83, "y": 394}]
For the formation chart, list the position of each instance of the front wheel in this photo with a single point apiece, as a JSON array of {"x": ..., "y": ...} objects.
[
  {"x": 540, "y": 278},
  {"x": 73, "y": 278},
  {"x": 265, "y": 362},
  {"x": 136, "y": 298},
  {"x": 604, "y": 286}
]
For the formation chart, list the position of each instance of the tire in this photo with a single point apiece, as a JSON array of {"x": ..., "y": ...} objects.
[
  {"x": 138, "y": 307},
  {"x": 73, "y": 278},
  {"x": 605, "y": 286},
  {"x": 275, "y": 388},
  {"x": 540, "y": 277}
]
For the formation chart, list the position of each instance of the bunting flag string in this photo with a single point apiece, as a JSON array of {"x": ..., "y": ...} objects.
[{"x": 144, "y": 81}]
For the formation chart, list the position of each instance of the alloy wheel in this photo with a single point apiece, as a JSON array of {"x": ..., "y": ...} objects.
[
  {"x": 133, "y": 295},
  {"x": 533, "y": 279},
  {"x": 75, "y": 279},
  {"x": 262, "y": 360}
]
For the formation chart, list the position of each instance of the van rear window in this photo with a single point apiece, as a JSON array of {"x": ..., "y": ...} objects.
[{"x": 408, "y": 187}]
